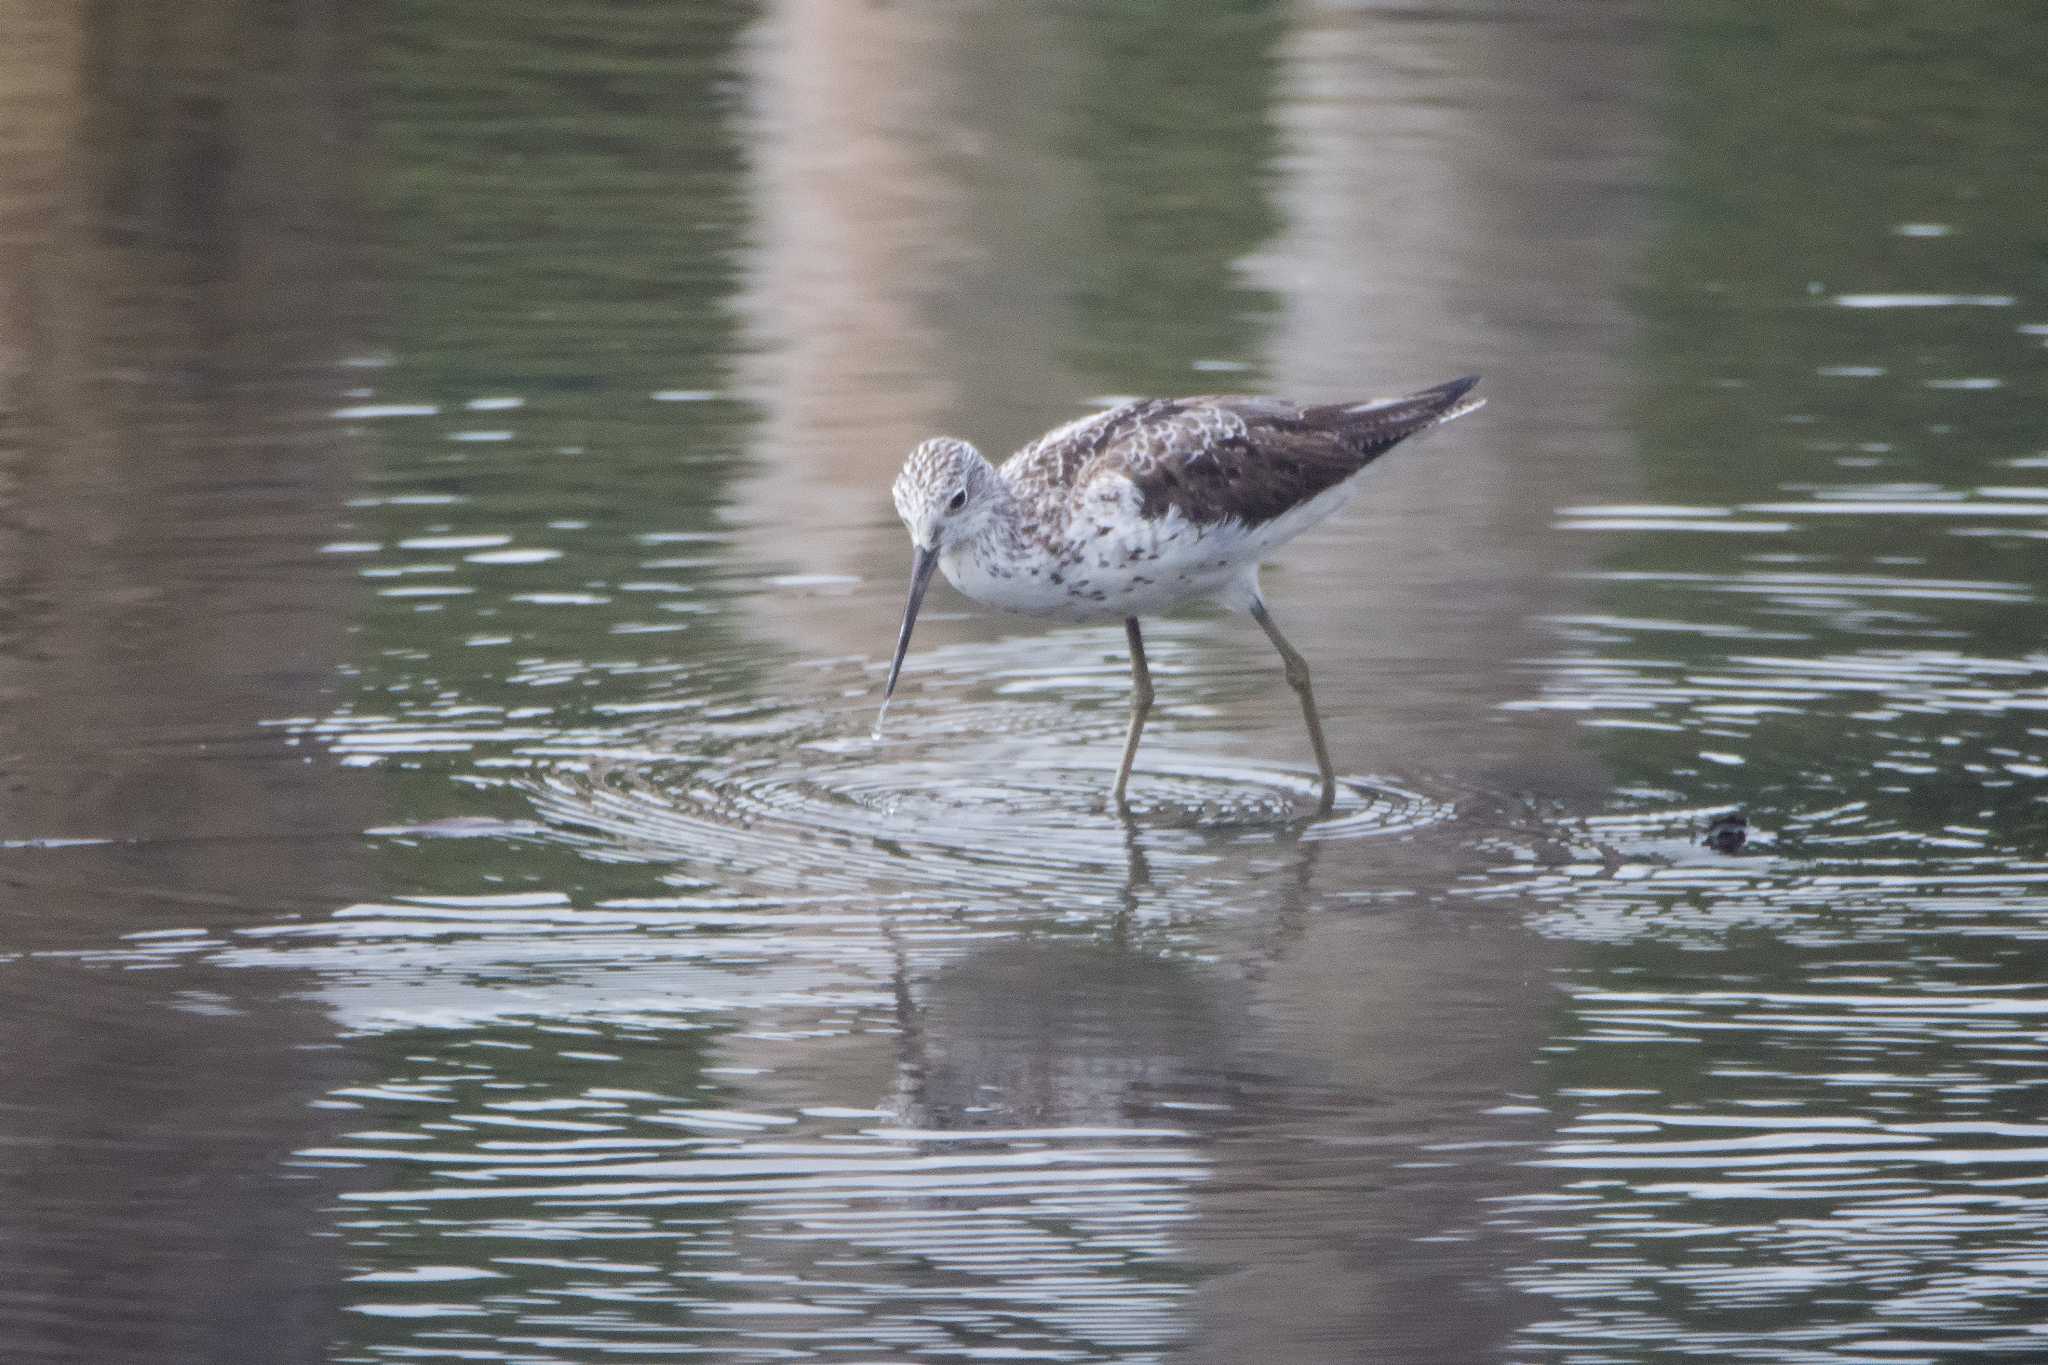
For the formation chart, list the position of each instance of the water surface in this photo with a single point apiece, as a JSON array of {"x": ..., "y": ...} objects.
[{"x": 455, "y": 907}]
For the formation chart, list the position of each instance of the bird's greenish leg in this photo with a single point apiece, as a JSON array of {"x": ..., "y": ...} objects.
[
  {"x": 1297, "y": 678},
  {"x": 1141, "y": 702}
]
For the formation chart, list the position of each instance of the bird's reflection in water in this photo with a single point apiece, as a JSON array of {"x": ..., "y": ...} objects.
[{"x": 1320, "y": 1062}]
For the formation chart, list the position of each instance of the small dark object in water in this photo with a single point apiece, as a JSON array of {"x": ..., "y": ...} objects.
[{"x": 1728, "y": 833}]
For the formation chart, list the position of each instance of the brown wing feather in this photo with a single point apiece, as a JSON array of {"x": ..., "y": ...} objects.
[
  {"x": 1053, "y": 462},
  {"x": 1230, "y": 458}
]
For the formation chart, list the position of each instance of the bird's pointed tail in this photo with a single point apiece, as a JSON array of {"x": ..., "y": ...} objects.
[{"x": 1454, "y": 399}]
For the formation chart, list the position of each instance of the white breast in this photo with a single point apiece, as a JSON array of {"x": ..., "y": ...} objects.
[{"x": 1113, "y": 561}]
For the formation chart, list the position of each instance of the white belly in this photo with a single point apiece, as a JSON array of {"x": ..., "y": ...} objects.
[{"x": 1113, "y": 562}]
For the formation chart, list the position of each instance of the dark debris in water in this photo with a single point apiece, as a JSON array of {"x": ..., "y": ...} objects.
[{"x": 1728, "y": 832}]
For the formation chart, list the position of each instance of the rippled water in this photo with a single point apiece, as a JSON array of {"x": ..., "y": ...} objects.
[{"x": 456, "y": 906}]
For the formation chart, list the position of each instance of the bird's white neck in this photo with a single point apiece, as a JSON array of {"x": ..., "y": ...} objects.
[{"x": 993, "y": 563}]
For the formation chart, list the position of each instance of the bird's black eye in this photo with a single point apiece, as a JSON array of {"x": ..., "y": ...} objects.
[{"x": 959, "y": 500}]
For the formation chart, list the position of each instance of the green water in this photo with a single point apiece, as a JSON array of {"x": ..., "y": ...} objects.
[{"x": 454, "y": 907}]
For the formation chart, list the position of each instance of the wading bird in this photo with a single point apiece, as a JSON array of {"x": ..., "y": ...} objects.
[{"x": 1150, "y": 504}]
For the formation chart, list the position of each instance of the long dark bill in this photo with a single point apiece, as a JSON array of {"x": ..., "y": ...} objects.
[{"x": 922, "y": 562}]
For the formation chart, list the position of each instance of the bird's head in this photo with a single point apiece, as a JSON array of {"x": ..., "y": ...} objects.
[{"x": 945, "y": 495}]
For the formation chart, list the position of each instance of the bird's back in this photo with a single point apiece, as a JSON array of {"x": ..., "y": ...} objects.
[{"x": 1225, "y": 457}]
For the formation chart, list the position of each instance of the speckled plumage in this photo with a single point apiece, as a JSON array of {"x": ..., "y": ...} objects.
[
  {"x": 1151, "y": 502},
  {"x": 1147, "y": 505}
]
